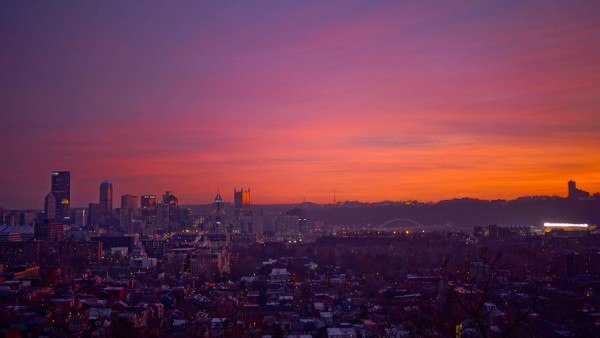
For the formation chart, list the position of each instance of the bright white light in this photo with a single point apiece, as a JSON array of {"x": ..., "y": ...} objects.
[{"x": 564, "y": 225}]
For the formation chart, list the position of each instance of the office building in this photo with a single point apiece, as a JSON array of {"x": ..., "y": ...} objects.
[
  {"x": 129, "y": 212},
  {"x": 148, "y": 205},
  {"x": 241, "y": 201},
  {"x": 129, "y": 201},
  {"x": 575, "y": 193},
  {"x": 50, "y": 207},
  {"x": 106, "y": 198},
  {"x": 61, "y": 189},
  {"x": 218, "y": 220},
  {"x": 81, "y": 217},
  {"x": 50, "y": 231},
  {"x": 95, "y": 214}
]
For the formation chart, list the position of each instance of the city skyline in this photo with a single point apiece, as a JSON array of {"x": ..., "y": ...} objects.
[
  {"x": 299, "y": 168},
  {"x": 382, "y": 101},
  {"x": 238, "y": 198}
]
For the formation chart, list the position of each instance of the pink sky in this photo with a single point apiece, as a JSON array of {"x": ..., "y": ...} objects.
[{"x": 381, "y": 100}]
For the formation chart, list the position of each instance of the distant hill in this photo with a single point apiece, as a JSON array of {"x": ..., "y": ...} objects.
[{"x": 465, "y": 212}]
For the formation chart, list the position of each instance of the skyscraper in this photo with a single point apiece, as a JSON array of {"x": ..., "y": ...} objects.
[
  {"x": 61, "y": 189},
  {"x": 129, "y": 201},
  {"x": 243, "y": 218},
  {"x": 50, "y": 207},
  {"x": 106, "y": 198},
  {"x": 129, "y": 211},
  {"x": 218, "y": 213},
  {"x": 241, "y": 201},
  {"x": 148, "y": 203},
  {"x": 572, "y": 189},
  {"x": 168, "y": 212},
  {"x": 576, "y": 194}
]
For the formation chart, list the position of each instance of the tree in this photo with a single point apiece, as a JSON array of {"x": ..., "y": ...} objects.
[{"x": 476, "y": 291}]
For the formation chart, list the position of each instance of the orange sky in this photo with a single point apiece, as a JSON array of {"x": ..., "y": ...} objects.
[{"x": 383, "y": 101}]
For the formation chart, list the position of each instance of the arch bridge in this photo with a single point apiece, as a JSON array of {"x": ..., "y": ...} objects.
[{"x": 400, "y": 223}]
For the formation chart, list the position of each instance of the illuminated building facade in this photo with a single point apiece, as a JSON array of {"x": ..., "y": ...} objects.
[
  {"x": 241, "y": 201},
  {"x": 218, "y": 214},
  {"x": 242, "y": 212},
  {"x": 61, "y": 189},
  {"x": 148, "y": 205},
  {"x": 568, "y": 227}
]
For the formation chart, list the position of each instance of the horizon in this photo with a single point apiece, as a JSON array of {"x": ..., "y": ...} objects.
[
  {"x": 117, "y": 199},
  {"x": 383, "y": 101}
]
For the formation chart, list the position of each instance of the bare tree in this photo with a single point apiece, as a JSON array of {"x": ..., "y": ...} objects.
[{"x": 476, "y": 292}]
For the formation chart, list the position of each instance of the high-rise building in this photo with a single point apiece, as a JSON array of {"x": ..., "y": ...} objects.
[
  {"x": 129, "y": 212},
  {"x": 50, "y": 206},
  {"x": 94, "y": 214},
  {"x": 218, "y": 213},
  {"x": 81, "y": 217},
  {"x": 129, "y": 201},
  {"x": 148, "y": 204},
  {"x": 243, "y": 218},
  {"x": 241, "y": 201},
  {"x": 106, "y": 198},
  {"x": 61, "y": 189},
  {"x": 575, "y": 193},
  {"x": 168, "y": 212}
]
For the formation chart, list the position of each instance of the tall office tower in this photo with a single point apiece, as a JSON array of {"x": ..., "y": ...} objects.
[
  {"x": 572, "y": 189},
  {"x": 50, "y": 206},
  {"x": 129, "y": 201},
  {"x": 148, "y": 204},
  {"x": 170, "y": 212},
  {"x": 575, "y": 193},
  {"x": 61, "y": 189},
  {"x": 81, "y": 217},
  {"x": 106, "y": 198},
  {"x": 243, "y": 218},
  {"x": 95, "y": 214},
  {"x": 218, "y": 213},
  {"x": 129, "y": 211},
  {"x": 241, "y": 201}
]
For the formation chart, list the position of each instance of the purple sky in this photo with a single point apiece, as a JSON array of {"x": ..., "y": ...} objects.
[{"x": 380, "y": 99}]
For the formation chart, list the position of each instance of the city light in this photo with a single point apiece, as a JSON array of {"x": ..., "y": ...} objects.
[
  {"x": 417, "y": 169},
  {"x": 565, "y": 225}
]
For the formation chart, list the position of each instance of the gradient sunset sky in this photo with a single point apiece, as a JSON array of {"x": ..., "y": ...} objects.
[{"x": 383, "y": 100}]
